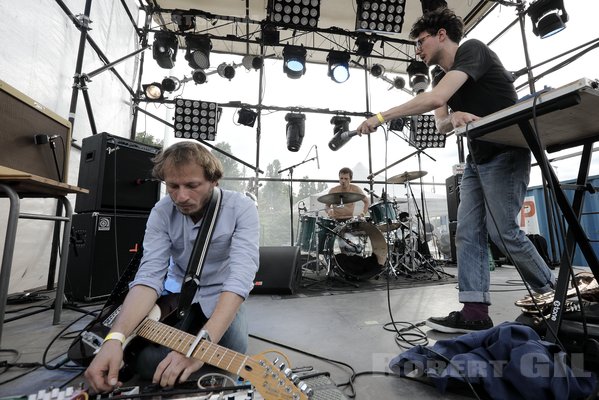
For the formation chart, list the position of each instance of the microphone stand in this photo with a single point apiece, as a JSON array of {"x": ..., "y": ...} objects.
[{"x": 290, "y": 169}]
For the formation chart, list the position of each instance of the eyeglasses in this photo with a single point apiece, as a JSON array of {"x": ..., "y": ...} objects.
[{"x": 418, "y": 43}]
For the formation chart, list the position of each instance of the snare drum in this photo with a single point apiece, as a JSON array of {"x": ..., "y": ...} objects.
[
  {"x": 313, "y": 229},
  {"x": 360, "y": 251},
  {"x": 384, "y": 216}
]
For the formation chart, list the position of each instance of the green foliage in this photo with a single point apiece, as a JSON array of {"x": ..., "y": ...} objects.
[
  {"x": 230, "y": 168},
  {"x": 146, "y": 138}
]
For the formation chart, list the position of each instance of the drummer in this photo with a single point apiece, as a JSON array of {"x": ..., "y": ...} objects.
[{"x": 347, "y": 211}]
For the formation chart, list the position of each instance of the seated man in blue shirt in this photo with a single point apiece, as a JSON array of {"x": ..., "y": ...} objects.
[{"x": 190, "y": 173}]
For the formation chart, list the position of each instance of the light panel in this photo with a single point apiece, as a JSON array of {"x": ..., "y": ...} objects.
[
  {"x": 195, "y": 119},
  {"x": 380, "y": 15},
  {"x": 423, "y": 132}
]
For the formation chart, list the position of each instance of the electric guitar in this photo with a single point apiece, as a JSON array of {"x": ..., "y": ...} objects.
[{"x": 268, "y": 379}]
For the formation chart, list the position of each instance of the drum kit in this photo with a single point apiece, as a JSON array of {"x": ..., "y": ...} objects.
[{"x": 363, "y": 248}]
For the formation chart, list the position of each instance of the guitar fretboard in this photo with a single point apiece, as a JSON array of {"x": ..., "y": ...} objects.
[{"x": 205, "y": 351}]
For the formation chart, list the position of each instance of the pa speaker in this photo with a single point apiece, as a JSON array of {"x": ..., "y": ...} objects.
[
  {"x": 101, "y": 247},
  {"x": 279, "y": 271},
  {"x": 118, "y": 174},
  {"x": 452, "y": 186}
]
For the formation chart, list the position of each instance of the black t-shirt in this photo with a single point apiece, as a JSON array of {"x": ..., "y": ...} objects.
[{"x": 489, "y": 88}]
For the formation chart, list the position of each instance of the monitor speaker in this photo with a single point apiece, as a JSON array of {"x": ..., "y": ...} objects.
[
  {"x": 452, "y": 186},
  {"x": 101, "y": 247},
  {"x": 21, "y": 120},
  {"x": 118, "y": 174},
  {"x": 279, "y": 271}
]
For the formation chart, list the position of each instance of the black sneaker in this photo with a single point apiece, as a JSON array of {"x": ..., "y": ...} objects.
[{"x": 455, "y": 323}]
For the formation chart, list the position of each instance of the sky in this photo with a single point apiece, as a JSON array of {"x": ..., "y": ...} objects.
[{"x": 316, "y": 90}]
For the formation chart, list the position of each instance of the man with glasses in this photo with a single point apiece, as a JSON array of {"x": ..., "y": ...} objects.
[{"x": 473, "y": 83}]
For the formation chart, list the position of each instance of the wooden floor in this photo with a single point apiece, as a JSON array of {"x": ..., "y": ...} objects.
[{"x": 309, "y": 330}]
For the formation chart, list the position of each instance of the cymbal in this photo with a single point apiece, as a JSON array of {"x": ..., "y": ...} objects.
[
  {"x": 406, "y": 176},
  {"x": 340, "y": 197}
]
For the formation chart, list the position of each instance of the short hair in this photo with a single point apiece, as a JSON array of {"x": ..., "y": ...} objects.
[
  {"x": 441, "y": 18},
  {"x": 346, "y": 170},
  {"x": 186, "y": 152}
]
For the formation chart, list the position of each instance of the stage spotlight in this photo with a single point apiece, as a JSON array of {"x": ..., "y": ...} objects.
[
  {"x": 294, "y": 61},
  {"x": 153, "y": 91},
  {"x": 199, "y": 76},
  {"x": 397, "y": 124},
  {"x": 170, "y": 84},
  {"x": 341, "y": 124},
  {"x": 164, "y": 49},
  {"x": 364, "y": 45},
  {"x": 226, "y": 71},
  {"x": 380, "y": 15},
  {"x": 252, "y": 62},
  {"x": 399, "y": 82},
  {"x": 295, "y": 130},
  {"x": 297, "y": 14},
  {"x": 195, "y": 119},
  {"x": 418, "y": 75},
  {"x": 377, "y": 70},
  {"x": 423, "y": 132},
  {"x": 198, "y": 51},
  {"x": 270, "y": 34},
  {"x": 184, "y": 21},
  {"x": 548, "y": 17},
  {"x": 246, "y": 117},
  {"x": 338, "y": 66}
]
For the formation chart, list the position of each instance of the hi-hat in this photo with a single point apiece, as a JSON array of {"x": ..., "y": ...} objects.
[
  {"x": 406, "y": 176},
  {"x": 340, "y": 198}
]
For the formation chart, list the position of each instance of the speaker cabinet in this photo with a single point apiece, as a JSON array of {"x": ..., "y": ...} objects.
[
  {"x": 452, "y": 229},
  {"x": 118, "y": 174},
  {"x": 279, "y": 271},
  {"x": 101, "y": 247},
  {"x": 21, "y": 118},
  {"x": 452, "y": 185}
]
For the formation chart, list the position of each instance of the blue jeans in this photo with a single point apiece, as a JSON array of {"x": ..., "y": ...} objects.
[
  {"x": 504, "y": 181},
  {"x": 235, "y": 338}
]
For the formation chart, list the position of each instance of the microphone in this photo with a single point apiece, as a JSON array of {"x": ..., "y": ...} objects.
[
  {"x": 340, "y": 139},
  {"x": 317, "y": 159},
  {"x": 43, "y": 138}
]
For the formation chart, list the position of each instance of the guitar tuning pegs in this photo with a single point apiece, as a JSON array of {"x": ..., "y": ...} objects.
[
  {"x": 295, "y": 378},
  {"x": 282, "y": 366},
  {"x": 287, "y": 372}
]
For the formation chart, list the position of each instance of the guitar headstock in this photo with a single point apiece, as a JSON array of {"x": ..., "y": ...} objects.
[{"x": 274, "y": 382}]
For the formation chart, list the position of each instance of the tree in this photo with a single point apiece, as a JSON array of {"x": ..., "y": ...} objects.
[
  {"x": 146, "y": 138},
  {"x": 230, "y": 168},
  {"x": 273, "y": 206}
]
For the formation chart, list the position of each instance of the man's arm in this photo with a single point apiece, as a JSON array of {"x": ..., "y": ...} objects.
[
  {"x": 422, "y": 103},
  {"x": 103, "y": 372}
]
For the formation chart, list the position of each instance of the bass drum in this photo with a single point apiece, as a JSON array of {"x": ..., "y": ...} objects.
[{"x": 360, "y": 250}]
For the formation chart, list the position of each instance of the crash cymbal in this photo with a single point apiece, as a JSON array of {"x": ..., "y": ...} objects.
[
  {"x": 406, "y": 176},
  {"x": 340, "y": 197}
]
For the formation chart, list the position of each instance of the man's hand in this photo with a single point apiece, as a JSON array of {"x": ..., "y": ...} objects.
[
  {"x": 368, "y": 126},
  {"x": 175, "y": 368},
  {"x": 103, "y": 373},
  {"x": 460, "y": 118}
]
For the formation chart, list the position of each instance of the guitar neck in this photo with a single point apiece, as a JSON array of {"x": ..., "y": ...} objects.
[{"x": 208, "y": 352}]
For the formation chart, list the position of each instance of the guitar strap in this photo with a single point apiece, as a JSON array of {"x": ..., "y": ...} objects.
[{"x": 191, "y": 282}]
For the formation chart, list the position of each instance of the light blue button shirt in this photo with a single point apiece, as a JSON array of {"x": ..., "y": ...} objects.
[{"x": 232, "y": 257}]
